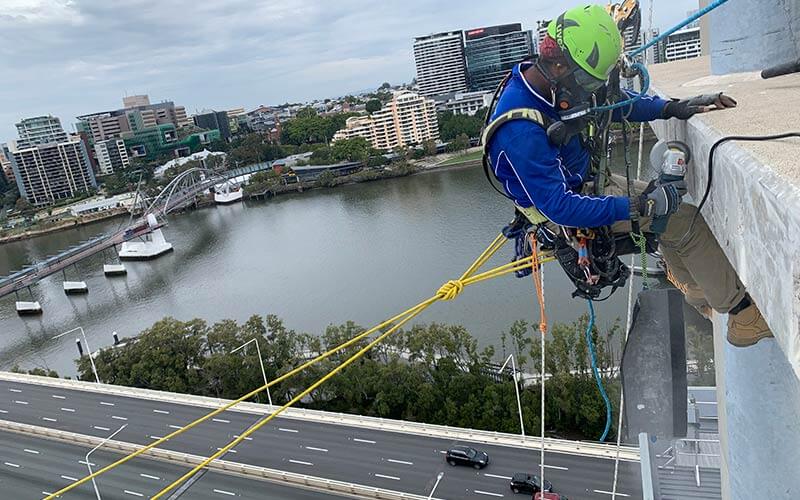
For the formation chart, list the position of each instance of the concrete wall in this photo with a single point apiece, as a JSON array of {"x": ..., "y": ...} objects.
[{"x": 749, "y": 35}]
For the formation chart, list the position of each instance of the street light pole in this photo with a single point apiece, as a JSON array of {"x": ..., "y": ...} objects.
[
  {"x": 516, "y": 389},
  {"x": 91, "y": 359},
  {"x": 438, "y": 478},
  {"x": 89, "y": 464},
  {"x": 260, "y": 362}
]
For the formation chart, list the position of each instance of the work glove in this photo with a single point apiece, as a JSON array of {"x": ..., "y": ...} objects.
[
  {"x": 659, "y": 200},
  {"x": 684, "y": 109}
]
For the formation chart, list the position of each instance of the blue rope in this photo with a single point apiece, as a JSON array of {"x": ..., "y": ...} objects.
[
  {"x": 639, "y": 67},
  {"x": 697, "y": 15},
  {"x": 593, "y": 355}
]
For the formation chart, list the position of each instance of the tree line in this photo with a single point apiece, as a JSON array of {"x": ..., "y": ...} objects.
[{"x": 432, "y": 373}]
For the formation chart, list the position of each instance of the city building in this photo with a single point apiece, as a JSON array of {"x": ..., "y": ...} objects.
[
  {"x": 464, "y": 103},
  {"x": 408, "y": 119},
  {"x": 111, "y": 155},
  {"x": 39, "y": 130},
  {"x": 214, "y": 120},
  {"x": 541, "y": 32},
  {"x": 441, "y": 67},
  {"x": 135, "y": 101},
  {"x": 683, "y": 44},
  {"x": 136, "y": 115},
  {"x": 48, "y": 165},
  {"x": 5, "y": 164},
  {"x": 492, "y": 51},
  {"x": 237, "y": 118}
]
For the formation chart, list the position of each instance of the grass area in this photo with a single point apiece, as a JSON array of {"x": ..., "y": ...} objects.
[{"x": 475, "y": 155}]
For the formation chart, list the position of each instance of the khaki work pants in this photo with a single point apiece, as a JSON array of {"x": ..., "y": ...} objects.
[{"x": 699, "y": 265}]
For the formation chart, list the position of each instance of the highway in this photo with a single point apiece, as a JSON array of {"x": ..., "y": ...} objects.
[
  {"x": 31, "y": 468},
  {"x": 395, "y": 461}
]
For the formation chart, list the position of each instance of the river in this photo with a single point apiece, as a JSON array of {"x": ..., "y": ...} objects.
[{"x": 359, "y": 252}]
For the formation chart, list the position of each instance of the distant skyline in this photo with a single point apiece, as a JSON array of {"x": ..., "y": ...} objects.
[{"x": 73, "y": 57}]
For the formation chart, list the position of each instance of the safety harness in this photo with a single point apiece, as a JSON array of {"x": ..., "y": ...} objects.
[{"x": 588, "y": 256}]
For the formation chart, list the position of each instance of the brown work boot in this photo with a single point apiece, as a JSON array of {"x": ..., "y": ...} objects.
[{"x": 747, "y": 327}]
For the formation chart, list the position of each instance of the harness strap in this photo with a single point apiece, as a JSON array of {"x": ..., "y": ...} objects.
[{"x": 531, "y": 115}]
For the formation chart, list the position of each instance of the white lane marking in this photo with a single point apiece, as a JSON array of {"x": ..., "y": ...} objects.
[
  {"x": 118, "y": 418},
  {"x": 229, "y": 451},
  {"x": 399, "y": 461},
  {"x": 12, "y": 465},
  {"x": 46, "y": 493},
  {"x": 489, "y": 493},
  {"x": 246, "y": 438},
  {"x": 71, "y": 410},
  {"x": 368, "y": 441},
  {"x": 155, "y": 437},
  {"x": 134, "y": 493},
  {"x": 58, "y": 396},
  {"x": 15, "y": 390},
  {"x": 99, "y": 428},
  {"x": 609, "y": 493},
  {"x": 48, "y": 419},
  {"x": 34, "y": 452},
  {"x": 85, "y": 463},
  {"x": 69, "y": 478},
  {"x": 21, "y": 402},
  {"x": 106, "y": 404},
  {"x": 3, "y": 411},
  {"x": 443, "y": 452},
  {"x": 286, "y": 430},
  {"x": 221, "y": 420},
  {"x": 387, "y": 477},
  {"x": 223, "y": 492},
  {"x": 148, "y": 476},
  {"x": 324, "y": 450},
  {"x": 163, "y": 412},
  {"x": 300, "y": 462},
  {"x": 495, "y": 475},
  {"x": 176, "y": 427},
  {"x": 558, "y": 467}
]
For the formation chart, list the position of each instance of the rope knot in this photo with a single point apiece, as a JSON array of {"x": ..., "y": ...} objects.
[{"x": 450, "y": 290}]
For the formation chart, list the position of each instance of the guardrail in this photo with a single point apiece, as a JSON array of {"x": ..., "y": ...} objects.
[
  {"x": 223, "y": 466},
  {"x": 596, "y": 450}
]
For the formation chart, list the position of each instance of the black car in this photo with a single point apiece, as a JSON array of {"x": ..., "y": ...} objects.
[
  {"x": 527, "y": 483},
  {"x": 464, "y": 455}
]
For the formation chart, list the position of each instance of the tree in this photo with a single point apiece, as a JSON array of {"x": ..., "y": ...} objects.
[
  {"x": 460, "y": 143},
  {"x": 373, "y": 105},
  {"x": 385, "y": 86},
  {"x": 24, "y": 207},
  {"x": 429, "y": 147},
  {"x": 326, "y": 179},
  {"x": 452, "y": 125},
  {"x": 354, "y": 149}
]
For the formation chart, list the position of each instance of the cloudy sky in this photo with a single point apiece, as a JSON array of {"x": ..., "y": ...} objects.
[{"x": 71, "y": 57}]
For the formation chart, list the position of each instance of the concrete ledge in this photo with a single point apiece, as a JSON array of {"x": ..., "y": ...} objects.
[
  {"x": 224, "y": 466},
  {"x": 754, "y": 206},
  {"x": 596, "y": 450}
]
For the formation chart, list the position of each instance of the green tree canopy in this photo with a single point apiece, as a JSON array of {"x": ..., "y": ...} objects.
[{"x": 373, "y": 105}]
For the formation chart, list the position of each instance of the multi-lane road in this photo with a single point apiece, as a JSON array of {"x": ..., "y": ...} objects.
[{"x": 395, "y": 461}]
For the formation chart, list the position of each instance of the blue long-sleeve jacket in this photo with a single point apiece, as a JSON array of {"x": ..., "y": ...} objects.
[{"x": 536, "y": 173}]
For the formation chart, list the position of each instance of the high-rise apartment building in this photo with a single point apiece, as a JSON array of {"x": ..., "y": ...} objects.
[
  {"x": 683, "y": 44},
  {"x": 408, "y": 119},
  {"x": 441, "y": 67},
  {"x": 134, "y": 101},
  {"x": 492, "y": 51},
  {"x": 111, "y": 156},
  {"x": 214, "y": 120},
  {"x": 48, "y": 164},
  {"x": 5, "y": 164},
  {"x": 136, "y": 115},
  {"x": 39, "y": 130}
]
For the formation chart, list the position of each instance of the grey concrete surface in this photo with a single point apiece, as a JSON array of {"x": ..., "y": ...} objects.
[
  {"x": 394, "y": 461},
  {"x": 31, "y": 468},
  {"x": 749, "y": 35}
]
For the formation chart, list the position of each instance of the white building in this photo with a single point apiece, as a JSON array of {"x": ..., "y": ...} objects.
[
  {"x": 111, "y": 156},
  {"x": 441, "y": 65},
  {"x": 408, "y": 119},
  {"x": 683, "y": 44},
  {"x": 466, "y": 103}
]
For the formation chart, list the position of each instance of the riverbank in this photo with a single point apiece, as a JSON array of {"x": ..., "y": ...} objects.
[{"x": 63, "y": 225}]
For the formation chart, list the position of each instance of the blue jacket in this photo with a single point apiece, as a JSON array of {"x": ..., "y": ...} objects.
[{"x": 534, "y": 172}]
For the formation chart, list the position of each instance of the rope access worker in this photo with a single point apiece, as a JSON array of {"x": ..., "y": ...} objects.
[{"x": 551, "y": 184}]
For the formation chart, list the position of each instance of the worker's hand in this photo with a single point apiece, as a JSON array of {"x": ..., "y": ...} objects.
[
  {"x": 660, "y": 200},
  {"x": 686, "y": 108}
]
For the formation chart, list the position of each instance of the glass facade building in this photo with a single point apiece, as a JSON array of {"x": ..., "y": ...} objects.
[{"x": 492, "y": 51}]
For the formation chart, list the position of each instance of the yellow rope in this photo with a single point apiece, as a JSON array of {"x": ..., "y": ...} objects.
[{"x": 448, "y": 291}]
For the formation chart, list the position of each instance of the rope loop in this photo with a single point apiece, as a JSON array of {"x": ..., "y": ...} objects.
[{"x": 450, "y": 290}]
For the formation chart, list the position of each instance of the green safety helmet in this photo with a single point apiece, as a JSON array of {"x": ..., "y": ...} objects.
[{"x": 590, "y": 39}]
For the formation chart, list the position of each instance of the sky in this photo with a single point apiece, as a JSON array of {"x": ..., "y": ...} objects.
[{"x": 73, "y": 57}]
